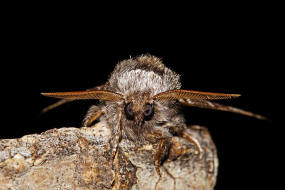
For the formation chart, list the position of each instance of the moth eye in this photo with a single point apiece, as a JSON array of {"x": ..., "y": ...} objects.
[
  {"x": 129, "y": 111},
  {"x": 148, "y": 112}
]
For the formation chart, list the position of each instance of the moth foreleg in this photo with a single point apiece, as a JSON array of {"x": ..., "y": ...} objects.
[
  {"x": 159, "y": 153},
  {"x": 117, "y": 135},
  {"x": 192, "y": 140},
  {"x": 93, "y": 113}
]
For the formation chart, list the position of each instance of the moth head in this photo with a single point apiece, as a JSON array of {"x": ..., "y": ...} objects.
[
  {"x": 139, "y": 114},
  {"x": 138, "y": 109}
]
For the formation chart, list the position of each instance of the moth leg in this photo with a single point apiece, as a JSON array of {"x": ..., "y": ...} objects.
[
  {"x": 157, "y": 158},
  {"x": 93, "y": 113},
  {"x": 188, "y": 137},
  {"x": 171, "y": 176},
  {"x": 161, "y": 150},
  {"x": 118, "y": 134},
  {"x": 159, "y": 154},
  {"x": 93, "y": 118}
]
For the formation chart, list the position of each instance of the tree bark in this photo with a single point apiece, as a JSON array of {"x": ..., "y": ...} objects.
[{"x": 81, "y": 159}]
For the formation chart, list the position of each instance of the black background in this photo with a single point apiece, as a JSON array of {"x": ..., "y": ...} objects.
[{"x": 229, "y": 51}]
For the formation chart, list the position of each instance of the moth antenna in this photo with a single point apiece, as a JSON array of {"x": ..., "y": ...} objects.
[
  {"x": 216, "y": 106},
  {"x": 192, "y": 94},
  {"x": 86, "y": 95},
  {"x": 64, "y": 101},
  {"x": 55, "y": 105}
]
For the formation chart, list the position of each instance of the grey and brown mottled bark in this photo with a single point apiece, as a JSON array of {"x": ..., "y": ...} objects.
[{"x": 81, "y": 158}]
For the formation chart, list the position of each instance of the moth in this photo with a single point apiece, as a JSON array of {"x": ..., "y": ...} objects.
[{"x": 141, "y": 102}]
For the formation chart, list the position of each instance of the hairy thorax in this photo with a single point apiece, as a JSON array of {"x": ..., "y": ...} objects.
[{"x": 144, "y": 74}]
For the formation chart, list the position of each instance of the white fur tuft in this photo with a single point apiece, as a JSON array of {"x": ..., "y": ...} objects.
[{"x": 141, "y": 80}]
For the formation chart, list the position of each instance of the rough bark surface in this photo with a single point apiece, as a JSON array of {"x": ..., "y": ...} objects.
[{"x": 81, "y": 159}]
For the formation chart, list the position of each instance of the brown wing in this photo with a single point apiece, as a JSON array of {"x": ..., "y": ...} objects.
[
  {"x": 216, "y": 106},
  {"x": 64, "y": 101},
  {"x": 191, "y": 94}
]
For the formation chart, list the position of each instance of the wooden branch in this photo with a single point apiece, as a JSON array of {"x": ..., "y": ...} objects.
[{"x": 81, "y": 158}]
